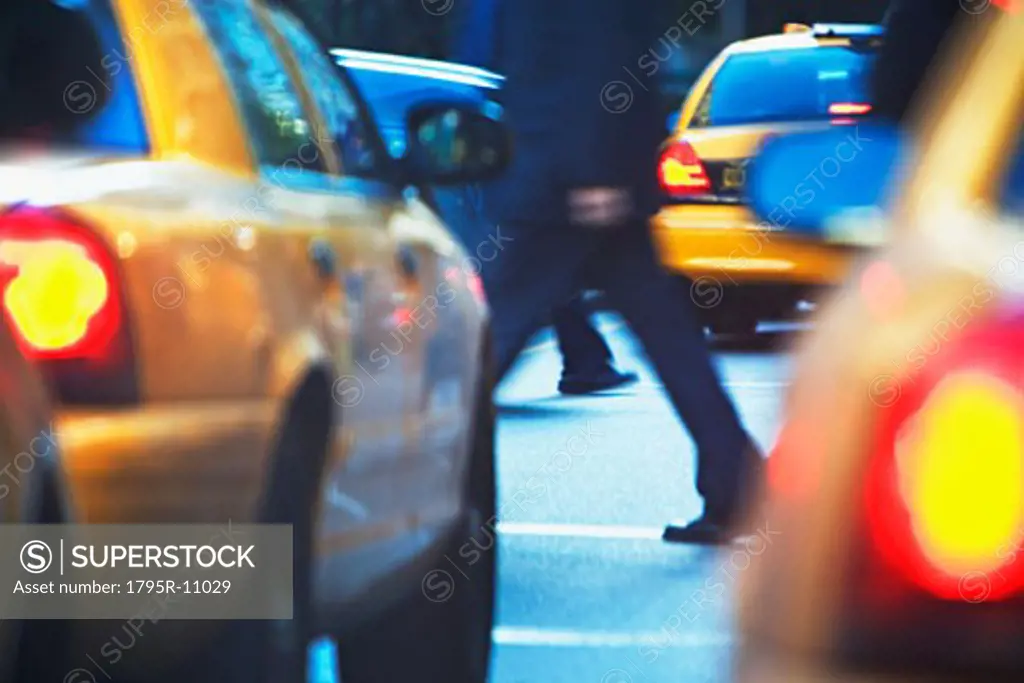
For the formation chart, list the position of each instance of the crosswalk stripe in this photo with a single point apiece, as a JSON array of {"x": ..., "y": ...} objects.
[
  {"x": 579, "y": 530},
  {"x": 542, "y": 637}
]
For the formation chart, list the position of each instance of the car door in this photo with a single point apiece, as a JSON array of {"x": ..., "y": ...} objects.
[
  {"x": 328, "y": 239},
  {"x": 403, "y": 477}
]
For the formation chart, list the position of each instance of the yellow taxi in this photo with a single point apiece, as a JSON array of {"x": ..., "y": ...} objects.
[
  {"x": 742, "y": 270},
  {"x": 896, "y": 488},
  {"x": 246, "y": 316}
]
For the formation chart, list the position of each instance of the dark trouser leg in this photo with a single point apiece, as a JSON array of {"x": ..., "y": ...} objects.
[
  {"x": 536, "y": 271},
  {"x": 584, "y": 350},
  {"x": 662, "y": 316}
]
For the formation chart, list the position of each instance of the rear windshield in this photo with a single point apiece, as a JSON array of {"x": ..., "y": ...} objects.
[
  {"x": 119, "y": 123},
  {"x": 784, "y": 85},
  {"x": 79, "y": 95}
]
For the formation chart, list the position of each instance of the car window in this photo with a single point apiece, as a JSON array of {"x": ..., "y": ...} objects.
[
  {"x": 96, "y": 89},
  {"x": 351, "y": 133},
  {"x": 269, "y": 102},
  {"x": 784, "y": 85}
]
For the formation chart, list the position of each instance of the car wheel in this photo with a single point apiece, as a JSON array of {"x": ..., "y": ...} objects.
[
  {"x": 443, "y": 631},
  {"x": 270, "y": 651},
  {"x": 44, "y": 646}
]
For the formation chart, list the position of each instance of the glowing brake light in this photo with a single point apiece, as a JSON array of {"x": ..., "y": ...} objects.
[
  {"x": 962, "y": 514},
  {"x": 681, "y": 172},
  {"x": 848, "y": 109},
  {"x": 57, "y": 289},
  {"x": 945, "y": 490}
]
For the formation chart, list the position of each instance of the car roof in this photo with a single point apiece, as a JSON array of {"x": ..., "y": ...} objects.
[
  {"x": 789, "y": 41},
  {"x": 424, "y": 69},
  {"x": 392, "y": 83}
]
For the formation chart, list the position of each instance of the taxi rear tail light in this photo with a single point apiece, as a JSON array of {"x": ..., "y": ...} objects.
[
  {"x": 681, "y": 172},
  {"x": 849, "y": 109},
  {"x": 938, "y": 573},
  {"x": 945, "y": 490},
  {"x": 848, "y": 113},
  {"x": 61, "y": 296}
]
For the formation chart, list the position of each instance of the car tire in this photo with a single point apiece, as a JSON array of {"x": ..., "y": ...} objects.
[
  {"x": 44, "y": 646},
  {"x": 443, "y": 631},
  {"x": 268, "y": 651}
]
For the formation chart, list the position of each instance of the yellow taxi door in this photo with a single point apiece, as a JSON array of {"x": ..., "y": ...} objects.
[
  {"x": 385, "y": 277},
  {"x": 329, "y": 241}
]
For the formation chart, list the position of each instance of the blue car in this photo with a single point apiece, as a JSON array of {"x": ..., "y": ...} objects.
[{"x": 392, "y": 85}]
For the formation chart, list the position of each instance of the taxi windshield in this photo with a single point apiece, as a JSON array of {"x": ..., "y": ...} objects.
[{"x": 785, "y": 85}]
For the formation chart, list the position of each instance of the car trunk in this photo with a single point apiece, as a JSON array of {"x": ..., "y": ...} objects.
[{"x": 726, "y": 151}]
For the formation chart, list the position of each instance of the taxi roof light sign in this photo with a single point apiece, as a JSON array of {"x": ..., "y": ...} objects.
[{"x": 848, "y": 30}]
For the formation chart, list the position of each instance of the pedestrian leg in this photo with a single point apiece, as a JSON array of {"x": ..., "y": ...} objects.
[
  {"x": 539, "y": 269},
  {"x": 663, "y": 318}
]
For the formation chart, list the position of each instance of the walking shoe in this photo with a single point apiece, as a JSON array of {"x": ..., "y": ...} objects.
[
  {"x": 704, "y": 530},
  {"x": 580, "y": 385}
]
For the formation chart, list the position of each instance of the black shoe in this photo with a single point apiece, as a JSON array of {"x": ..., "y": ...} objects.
[
  {"x": 580, "y": 385},
  {"x": 704, "y": 530}
]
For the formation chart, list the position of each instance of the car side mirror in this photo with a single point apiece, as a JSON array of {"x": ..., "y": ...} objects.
[
  {"x": 801, "y": 182},
  {"x": 456, "y": 143}
]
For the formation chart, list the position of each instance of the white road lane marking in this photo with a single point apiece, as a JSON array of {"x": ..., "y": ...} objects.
[
  {"x": 727, "y": 385},
  {"x": 542, "y": 637},
  {"x": 580, "y": 530}
]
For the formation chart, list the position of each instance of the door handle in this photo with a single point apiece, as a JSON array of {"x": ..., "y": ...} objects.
[
  {"x": 323, "y": 258},
  {"x": 408, "y": 261}
]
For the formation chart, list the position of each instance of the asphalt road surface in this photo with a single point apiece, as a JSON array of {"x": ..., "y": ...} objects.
[{"x": 588, "y": 593}]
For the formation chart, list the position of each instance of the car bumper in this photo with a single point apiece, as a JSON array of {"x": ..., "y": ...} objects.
[
  {"x": 179, "y": 464},
  {"x": 724, "y": 242},
  {"x": 758, "y": 668}
]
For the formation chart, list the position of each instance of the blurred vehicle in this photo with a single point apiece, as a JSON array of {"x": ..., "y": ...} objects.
[
  {"x": 743, "y": 270},
  {"x": 216, "y": 269},
  {"x": 894, "y": 511},
  {"x": 32, "y": 491},
  {"x": 394, "y": 86}
]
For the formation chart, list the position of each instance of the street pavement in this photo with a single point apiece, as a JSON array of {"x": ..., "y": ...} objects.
[{"x": 588, "y": 593}]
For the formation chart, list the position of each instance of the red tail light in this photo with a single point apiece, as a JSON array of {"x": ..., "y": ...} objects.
[
  {"x": 59, "y": 288},
  {"x": 937, "y": 579},
  {"x": 847, "y": 113},
  {"x": 61, "y": 295},
  {"x": 945, "y": 492},
  {"x": 848, "y": 109},
  {"x": 681, "y": 172}
]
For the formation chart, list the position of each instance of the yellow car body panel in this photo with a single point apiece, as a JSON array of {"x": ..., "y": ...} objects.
[{"x": 947, "y": 241}]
